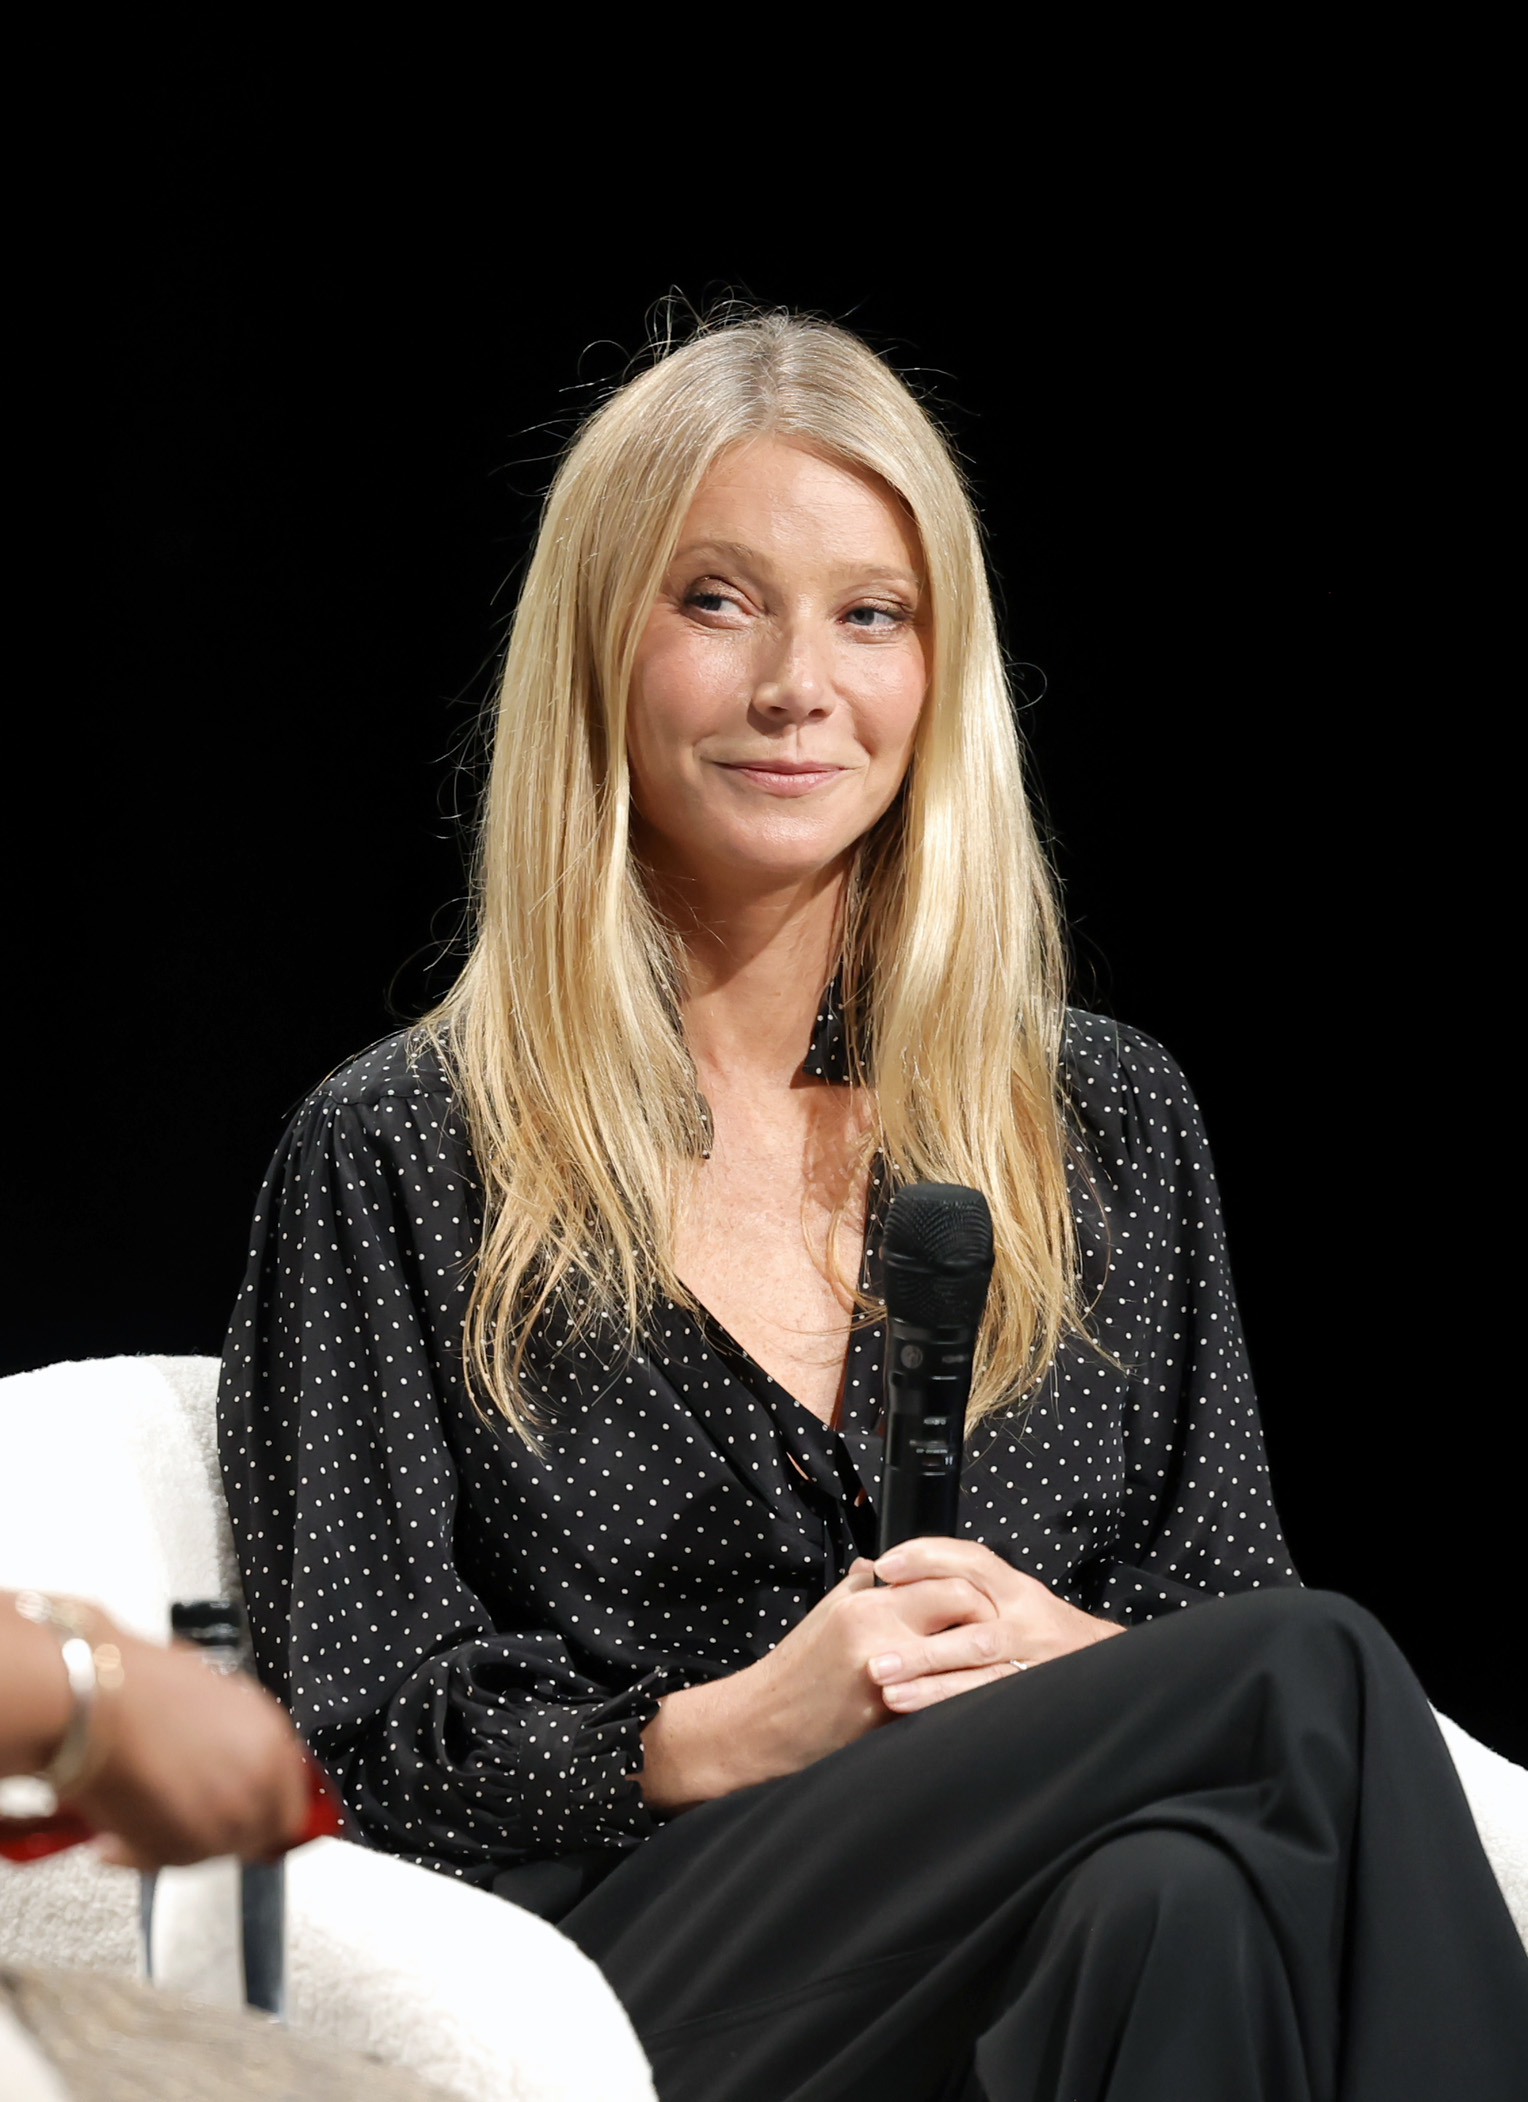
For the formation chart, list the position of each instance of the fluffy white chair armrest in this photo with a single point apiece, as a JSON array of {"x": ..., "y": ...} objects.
[
  {"x": 1497, "y": 1793},
  {"x": 71, "y": 1912},
  {"x": 484, "y": 1999},
  {"x": 109, "y": 1488}
]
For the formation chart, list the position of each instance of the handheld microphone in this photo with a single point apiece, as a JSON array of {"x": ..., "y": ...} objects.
[{"x": 938, "y": 1258}]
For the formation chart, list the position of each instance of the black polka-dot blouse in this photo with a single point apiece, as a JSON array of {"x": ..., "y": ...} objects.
[{"x": 473, "y": 1637}]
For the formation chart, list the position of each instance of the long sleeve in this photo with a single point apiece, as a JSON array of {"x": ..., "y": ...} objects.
[
  {"x": 1195, "y": 1517},
  {"x": 454, "y": 1736}
]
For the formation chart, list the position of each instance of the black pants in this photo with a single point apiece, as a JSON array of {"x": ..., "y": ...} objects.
[{"x": 1223, "y": 1857}]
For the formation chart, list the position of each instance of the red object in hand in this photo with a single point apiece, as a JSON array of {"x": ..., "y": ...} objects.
[
  {"x": 34, "y": 1838},
  {"x": 326, "y": 1813}
]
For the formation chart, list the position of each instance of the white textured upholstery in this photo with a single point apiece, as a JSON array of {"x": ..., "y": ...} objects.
[
  {"x": 109, "y": 1489},
  {"x": 109, "y": 1486},
  {"x": 1497, "y": 1793}
]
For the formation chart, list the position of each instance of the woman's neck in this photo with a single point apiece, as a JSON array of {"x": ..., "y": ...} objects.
[{"x": 757, "y": 964}]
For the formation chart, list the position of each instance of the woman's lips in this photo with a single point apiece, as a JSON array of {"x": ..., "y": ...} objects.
[{"x": 780, "y": 777}]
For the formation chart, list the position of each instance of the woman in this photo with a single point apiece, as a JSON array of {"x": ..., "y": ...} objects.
[{"x": 550, "y": 1407}]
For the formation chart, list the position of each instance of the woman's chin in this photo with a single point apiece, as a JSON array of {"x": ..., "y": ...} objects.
[
  {"x": 764, "y": 858},
  {"x": 774, "y": 865}
]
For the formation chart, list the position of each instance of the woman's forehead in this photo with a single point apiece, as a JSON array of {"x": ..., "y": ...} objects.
[{"x": 773, "y": 495}]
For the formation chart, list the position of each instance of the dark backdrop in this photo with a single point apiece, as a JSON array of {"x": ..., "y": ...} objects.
[{"x": 1218, "y": 458}]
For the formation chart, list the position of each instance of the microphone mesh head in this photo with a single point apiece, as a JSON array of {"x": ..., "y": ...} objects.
[{"x": 938, "y": 1253}]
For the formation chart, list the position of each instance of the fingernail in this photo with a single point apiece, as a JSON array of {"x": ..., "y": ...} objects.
[
  {"x": 885, "y": 1667},
  {"x": 891, "y": 1565}
]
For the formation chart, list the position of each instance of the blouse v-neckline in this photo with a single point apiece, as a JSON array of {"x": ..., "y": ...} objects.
[{"x": 827, "y": 1058}]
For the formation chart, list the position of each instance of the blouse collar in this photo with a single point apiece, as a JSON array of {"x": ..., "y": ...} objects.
[{"x": 827, "y": 1056}]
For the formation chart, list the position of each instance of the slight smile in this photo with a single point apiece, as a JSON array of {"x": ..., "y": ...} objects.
[{"x": 783, "y": 777}]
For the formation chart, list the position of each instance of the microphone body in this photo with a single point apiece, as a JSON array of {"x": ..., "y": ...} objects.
[{"x": 938, "y": 1260}]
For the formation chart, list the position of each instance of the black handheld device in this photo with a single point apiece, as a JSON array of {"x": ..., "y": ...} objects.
[
  {"x": 216, "y": 1626},
  {"x": 938, "y": 1257}
]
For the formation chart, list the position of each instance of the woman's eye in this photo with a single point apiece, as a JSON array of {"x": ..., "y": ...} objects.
[
  {"x": 709, "y": 598},
  {"x": 874, "y": 617}
]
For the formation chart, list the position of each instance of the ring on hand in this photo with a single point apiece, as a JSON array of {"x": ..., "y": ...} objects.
[{"x": 1018, "y": 1664}]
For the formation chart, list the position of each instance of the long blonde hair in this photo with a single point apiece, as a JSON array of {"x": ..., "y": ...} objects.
[{"x": 563, "y": 1031}]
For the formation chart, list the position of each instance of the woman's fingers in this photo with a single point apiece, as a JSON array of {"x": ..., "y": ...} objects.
[
  {"x": 975, "y": 1647},
  {"x": 934, "y": 1557},
  {"x": 1026, "y": 1622},
  {"x": 938, "y": 1602},
  {"x": 908, "y": 1695}
]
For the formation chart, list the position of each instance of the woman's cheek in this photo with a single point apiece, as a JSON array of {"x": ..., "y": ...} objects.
[
  {"x": 891, "y": 698},
  {"x": 688, "y": 688}
]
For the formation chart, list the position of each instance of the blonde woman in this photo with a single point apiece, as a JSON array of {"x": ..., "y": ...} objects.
[{"x": 550, "y": 1407}]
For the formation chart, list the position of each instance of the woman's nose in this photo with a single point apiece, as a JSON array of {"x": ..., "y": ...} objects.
[{"x": 793, "y": 685}]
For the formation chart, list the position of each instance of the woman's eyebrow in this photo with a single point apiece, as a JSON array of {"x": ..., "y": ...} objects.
[
  {"x": 733, "y": 549},
  {"x": 891, "y": 573}
]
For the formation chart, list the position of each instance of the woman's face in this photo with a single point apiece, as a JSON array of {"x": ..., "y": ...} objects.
[{"x": 781, "y": 672}]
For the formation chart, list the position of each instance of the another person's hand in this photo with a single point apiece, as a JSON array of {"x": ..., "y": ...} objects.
[
  {"x": 810, "y": 1695},
  {"x": 1028, "y": 1624},
  {"x": 183, "y": 1762},
  {"x": 194, "y": 1763}
]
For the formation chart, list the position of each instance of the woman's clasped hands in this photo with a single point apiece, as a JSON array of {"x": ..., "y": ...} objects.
[
  {"x": 1008, "y": 1621},
  {"x": 933, "y": 1618}
]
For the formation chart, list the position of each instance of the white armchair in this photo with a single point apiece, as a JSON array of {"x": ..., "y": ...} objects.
[{"x": 109, "y": 1489}]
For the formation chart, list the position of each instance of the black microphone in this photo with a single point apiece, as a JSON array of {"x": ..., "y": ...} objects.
[{"x": 938, "y": 1257}]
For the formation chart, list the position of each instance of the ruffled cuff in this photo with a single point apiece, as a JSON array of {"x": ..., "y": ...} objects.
[{"x": 583, "y": 1762}]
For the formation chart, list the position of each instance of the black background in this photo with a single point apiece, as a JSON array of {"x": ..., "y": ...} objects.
[{"x": 1221, "y": 451}]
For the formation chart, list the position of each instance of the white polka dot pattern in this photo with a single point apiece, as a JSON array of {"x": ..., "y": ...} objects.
[{"x": 473, "y": 1637}]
